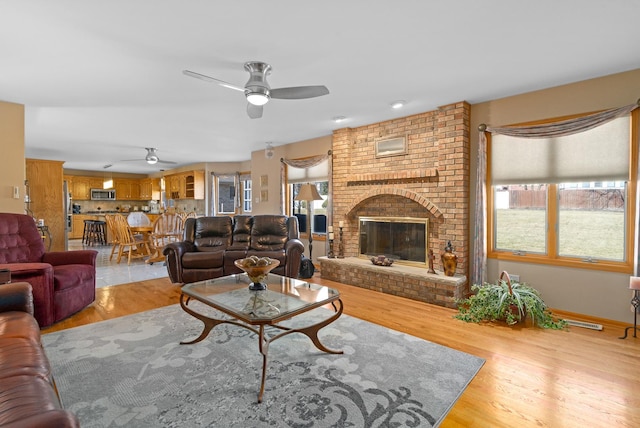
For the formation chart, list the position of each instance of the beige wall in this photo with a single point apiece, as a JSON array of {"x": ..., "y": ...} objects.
[
  {"x": 12, "y": 172},
  {"x": 599, "y": 294}
]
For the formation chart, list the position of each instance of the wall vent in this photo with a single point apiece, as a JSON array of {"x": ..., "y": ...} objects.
[{"x": 583, "y": 324}]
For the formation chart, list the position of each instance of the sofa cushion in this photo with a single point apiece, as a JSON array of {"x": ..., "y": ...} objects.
[
  {"x": 19, "y": 356},
  {"x": 20, "y": 241},
  {"x": 269, "y": 232},
  {"x": 69, "y": 276},
  {"x": 212, "y": 233},
  {"x": 241, "y": 231},
  {"x": 16, "y": 324},
  {"x": 203, "y": 259}
]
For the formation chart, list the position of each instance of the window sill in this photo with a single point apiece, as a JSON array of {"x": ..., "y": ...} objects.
[{"x": 600, "y": 265}]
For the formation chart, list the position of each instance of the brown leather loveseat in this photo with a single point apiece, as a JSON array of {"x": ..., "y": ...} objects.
[
  {"x": 28, "y": 396},
  {"x": 210, "y": 245}
]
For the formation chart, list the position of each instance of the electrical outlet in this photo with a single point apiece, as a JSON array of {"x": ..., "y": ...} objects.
[{"x": 514, "y": 277}]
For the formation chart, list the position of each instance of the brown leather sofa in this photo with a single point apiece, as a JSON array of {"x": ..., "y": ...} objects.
[
  {"x": 210, "y": 245},
  {"x": 28, "y": 395}
]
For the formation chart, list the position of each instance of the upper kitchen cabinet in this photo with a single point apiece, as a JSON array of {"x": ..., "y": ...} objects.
[
  {"x": 149, "y": 189},
  {"x": 185, "y": 185},
  {"x": 81, "y": 187},
  {"x": 127, "y": 189}
]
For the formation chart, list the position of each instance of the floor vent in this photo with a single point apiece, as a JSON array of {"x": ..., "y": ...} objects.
[{"x": 583, "y": 324}]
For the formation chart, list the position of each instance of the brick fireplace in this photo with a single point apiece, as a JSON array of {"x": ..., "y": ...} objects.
[{"x": 429, "y": 180}]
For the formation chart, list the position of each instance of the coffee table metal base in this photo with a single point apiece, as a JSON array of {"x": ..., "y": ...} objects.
[{"x": 310, "y": 331}]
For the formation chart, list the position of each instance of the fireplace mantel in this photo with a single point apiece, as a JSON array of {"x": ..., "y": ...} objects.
[
  {"x": 409, "y": 176},
  {"x": 400, "y": 280}
]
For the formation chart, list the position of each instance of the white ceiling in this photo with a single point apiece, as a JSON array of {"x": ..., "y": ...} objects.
[{"x": 102, "y": 80}]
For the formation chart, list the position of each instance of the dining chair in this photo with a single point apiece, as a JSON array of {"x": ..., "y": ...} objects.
[
  {"x": 134, "y": 245},
  {"x": 138, "y": 218},
  {"x": 167, "y": 228},
  {"x": 112, "y": 233}
]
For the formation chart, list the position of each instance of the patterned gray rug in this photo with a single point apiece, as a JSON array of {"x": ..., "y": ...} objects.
[{"x": 132, "y": 372}]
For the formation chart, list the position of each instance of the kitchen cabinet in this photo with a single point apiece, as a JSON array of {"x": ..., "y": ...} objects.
[
  {"x": 126, "y": 189},
  {"x": 186, "y": 185},
  {"x": 149, "y": 189},
  {"x": 81, "y": 187}
]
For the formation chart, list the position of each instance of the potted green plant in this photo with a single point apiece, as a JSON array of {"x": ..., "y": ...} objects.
[{"x": 509, "y": 302}]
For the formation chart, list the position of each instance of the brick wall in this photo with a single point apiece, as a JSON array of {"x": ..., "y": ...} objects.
[{"x": 431, "y": 179}]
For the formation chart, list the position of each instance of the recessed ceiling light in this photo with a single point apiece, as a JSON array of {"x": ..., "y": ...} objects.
[
  {"x": 398, "y": 104},
  {"x": 338, "y": 119}
]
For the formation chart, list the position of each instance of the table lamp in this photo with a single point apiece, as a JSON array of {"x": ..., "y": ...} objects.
[{"x": 308, "y": 192}]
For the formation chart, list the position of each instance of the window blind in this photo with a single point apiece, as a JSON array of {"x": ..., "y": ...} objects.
[{"x": 598, "y": 154}]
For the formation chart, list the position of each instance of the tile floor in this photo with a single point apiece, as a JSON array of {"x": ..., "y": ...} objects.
[{"x": 112, "y": 273}]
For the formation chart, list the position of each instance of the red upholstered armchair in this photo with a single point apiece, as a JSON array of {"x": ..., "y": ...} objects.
[{"x": 63, "y": 282}]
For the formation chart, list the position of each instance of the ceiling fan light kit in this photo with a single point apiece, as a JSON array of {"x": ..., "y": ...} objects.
[
  {"x": 257, "y": 99},
  {"x": 258, "y": 92}
]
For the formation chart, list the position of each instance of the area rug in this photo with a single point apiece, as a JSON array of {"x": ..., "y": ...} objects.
[{"x": 132, "y": 372}]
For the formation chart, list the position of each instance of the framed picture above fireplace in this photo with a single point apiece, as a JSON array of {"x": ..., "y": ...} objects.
[{"x": 391, "y": 147}]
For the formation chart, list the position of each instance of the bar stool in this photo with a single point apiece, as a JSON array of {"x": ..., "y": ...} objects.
[
  {"x": 95, "y": 232},
  {"x": 100, "y": 231},
  {"x": 86, "y": 231}
]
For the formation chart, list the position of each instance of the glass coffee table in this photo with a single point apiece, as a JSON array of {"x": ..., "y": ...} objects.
[{"x": 283, "y": 299}]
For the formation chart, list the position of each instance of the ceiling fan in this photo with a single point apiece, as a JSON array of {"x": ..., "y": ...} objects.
[
  {"x": 257, "y": 90},
  {"x": 151, "y": 158}
]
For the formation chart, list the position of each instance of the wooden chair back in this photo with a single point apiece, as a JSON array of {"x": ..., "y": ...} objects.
[{"x": 167, "y": 228}]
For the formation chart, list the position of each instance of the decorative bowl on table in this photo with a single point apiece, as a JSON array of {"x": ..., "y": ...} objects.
[{"x": 257, "y": 269}]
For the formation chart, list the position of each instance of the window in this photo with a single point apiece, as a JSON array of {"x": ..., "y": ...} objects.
[
  {"x": 313, "y": 171},
  {"x": 318, "y": 220},
  {"x": 565, "y": 200},
  {"x": 247, "y": 194},
  {"x": 226, "y": 194}
]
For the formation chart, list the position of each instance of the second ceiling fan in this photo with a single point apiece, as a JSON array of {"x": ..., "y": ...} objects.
[{"x": 257, "y": 90}]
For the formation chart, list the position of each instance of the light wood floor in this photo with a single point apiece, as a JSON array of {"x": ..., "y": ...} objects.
[{"x": 532, "y": 377}]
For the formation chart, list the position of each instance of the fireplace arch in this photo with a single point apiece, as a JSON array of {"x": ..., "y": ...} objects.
[{"x": 393, "y": 191}]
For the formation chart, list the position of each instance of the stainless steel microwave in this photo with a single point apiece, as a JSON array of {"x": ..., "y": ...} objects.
[{"x": 103, "y": 195}]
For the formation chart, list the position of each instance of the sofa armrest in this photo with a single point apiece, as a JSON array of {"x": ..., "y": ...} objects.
[
  {"x": 173, "y": 253},
  {"x": 76, "y": 257},
  {"x": 17, "y": 296},
  {"x": 293, "y": 249}
]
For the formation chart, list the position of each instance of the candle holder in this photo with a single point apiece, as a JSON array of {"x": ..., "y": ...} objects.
[
  {"x": 331, "y": 255},
  {"x": 341, "y": 245},
  {"x": 634, "y": 284}
]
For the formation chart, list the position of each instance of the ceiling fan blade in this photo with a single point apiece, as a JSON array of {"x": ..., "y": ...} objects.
[
  {"x": 299, "y": 92},
  {"x": 167, "y": 162},
  {"x": 212, "y": 79},
  {"x": 254, "y": 112}
]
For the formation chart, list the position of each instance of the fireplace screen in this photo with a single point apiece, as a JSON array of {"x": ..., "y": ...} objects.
[{"x": 403, "y": 239}]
